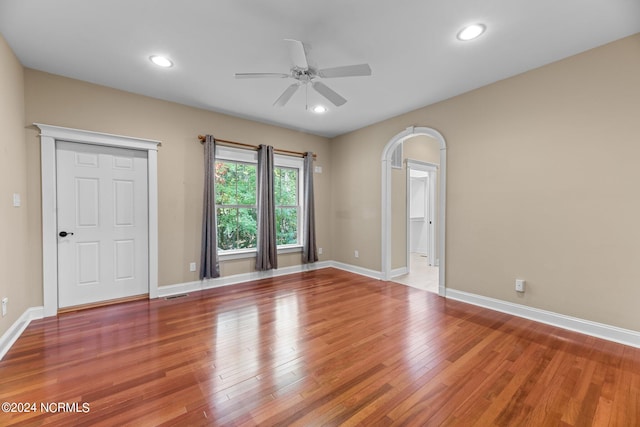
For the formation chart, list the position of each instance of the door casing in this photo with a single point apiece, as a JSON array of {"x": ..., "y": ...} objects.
[
  {"x": 386, "y": 196},
  {"x": 48, "y": 136}
]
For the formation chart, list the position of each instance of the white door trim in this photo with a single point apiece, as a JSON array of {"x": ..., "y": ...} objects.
[
  {"x": 48, "y": 137},
  {"x": 386, "y": 198}
]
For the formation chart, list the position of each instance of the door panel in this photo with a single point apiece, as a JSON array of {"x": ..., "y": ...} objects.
[
  {"x": 88, "y": 193},
  {"x": 88, "y": 263},
  {"x": 125, "y": 259},
  {"x": 102, "y": 200},
  {"x": 124, "y": 203}
]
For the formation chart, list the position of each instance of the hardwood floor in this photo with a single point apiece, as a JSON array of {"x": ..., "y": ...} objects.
[{"x": 324, "y": 347}]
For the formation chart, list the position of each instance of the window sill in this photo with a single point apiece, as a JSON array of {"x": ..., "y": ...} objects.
[{"x": 251, "y": 253}]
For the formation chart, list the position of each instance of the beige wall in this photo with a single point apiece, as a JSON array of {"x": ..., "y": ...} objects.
[
  {"x": 355, "y": 189},
  {"x": 65, "y": 102},
  {"x": 542, "y": 184},
  {"x": 14, "y": 231}
]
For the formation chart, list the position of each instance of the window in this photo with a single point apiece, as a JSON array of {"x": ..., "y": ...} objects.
[
  {"x": 236, "y": 208},
  {"x": 236, "y": 201},
  {"x": 286, "y": 183}
]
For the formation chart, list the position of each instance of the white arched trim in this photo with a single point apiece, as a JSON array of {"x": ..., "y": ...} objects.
[
  {"x": 48, "y": 137},
  {"x": 386, "y": 198}
]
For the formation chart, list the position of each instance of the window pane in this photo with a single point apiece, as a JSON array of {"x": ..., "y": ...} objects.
[
  {"x": 247, "y": 228},
  {"x": 286, "y": 186},
  {"x": 227, "y": 228},
  {"x": 237, "y": 228},
  {"x": 286, "y": 226},
  {"x": 235, "y": 183},
  {"x": 246, "y": 188},
  {"x": 225, "y": 187}
]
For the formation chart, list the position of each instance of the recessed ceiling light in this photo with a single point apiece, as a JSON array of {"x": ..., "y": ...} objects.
[
  {"x": 319, "y": 109},
  {"x": 161, "y": 61},
  {"x": 471, "y": 32}
]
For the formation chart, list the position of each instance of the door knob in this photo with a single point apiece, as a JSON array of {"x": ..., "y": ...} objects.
[{"x": 65, "y": 234}]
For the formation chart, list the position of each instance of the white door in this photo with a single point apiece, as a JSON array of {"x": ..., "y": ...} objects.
[
  {"x": 103, "y": 251},
  {"x": 419, "y": 213}
]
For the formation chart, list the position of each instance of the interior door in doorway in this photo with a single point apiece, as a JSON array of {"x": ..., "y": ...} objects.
[
  {"x": 419, "y": 209},
  {"x": 102, "y": 216}
]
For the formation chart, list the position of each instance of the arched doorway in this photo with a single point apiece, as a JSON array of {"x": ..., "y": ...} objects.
[{"x": 387, "y": 154}]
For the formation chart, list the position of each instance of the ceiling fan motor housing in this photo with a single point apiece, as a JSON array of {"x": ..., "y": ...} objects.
[{"x": 303, "y": 75}]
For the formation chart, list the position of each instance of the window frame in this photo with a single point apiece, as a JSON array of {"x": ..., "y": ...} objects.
[{"x": 224, "y": 153}]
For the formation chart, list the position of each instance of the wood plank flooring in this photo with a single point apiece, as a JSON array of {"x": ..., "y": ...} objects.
[{"x": 324, "y": 347}]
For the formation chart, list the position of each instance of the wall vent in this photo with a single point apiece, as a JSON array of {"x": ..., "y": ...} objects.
[
  {"x": 396, "y": 157},
  {"x": 176, "y": 296}
]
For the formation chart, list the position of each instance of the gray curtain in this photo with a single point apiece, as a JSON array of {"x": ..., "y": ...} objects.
[
  {"x": 267, "y": 253},
  {"x": 309, "y": 249},
  {"x": 209, "y": 266}
]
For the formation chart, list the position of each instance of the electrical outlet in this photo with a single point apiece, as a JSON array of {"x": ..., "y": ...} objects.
[
  {"x": 519, "y": 285},
  {"x": 356, "y": 254},
  {"x": 192, "y": 266},
  {"x": 5, "y": 301},
  {"x": 319, "y": 251}
]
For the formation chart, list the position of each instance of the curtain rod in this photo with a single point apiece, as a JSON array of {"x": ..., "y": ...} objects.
[{"x": 255, "y": 147}]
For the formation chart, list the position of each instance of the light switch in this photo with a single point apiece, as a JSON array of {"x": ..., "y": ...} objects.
[{"x": 16, "y": 200}]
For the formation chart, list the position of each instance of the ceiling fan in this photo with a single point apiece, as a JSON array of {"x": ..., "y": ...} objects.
[{"x": 305, "y": 75}]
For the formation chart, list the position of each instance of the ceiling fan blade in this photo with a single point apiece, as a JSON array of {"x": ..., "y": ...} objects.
[
  {"x": 346, "y": 71},
  {"x": 261, "y": 75},
  {"x": 286, "y": 95},
  {"x": 298, "y": 54},
  {"x": 328, "y": 93}
]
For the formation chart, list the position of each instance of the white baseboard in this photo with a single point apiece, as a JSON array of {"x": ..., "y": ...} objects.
[
  {"x": 15, "y": 330},
  {"x": 182, "y": 288},
  {"x": 357, "y": 270},
  {"x": 595, "y": 329},
  {"x": 399, "y": 271}
]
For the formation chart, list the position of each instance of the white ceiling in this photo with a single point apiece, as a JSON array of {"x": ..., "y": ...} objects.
[{"x": 411, "y": 46}]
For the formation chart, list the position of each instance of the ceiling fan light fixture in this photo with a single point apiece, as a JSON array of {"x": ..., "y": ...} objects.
[
  {"x": 319, "y": 109},
  {"x": 161, "y": 61},
  {"x": 471, "y": 32}
]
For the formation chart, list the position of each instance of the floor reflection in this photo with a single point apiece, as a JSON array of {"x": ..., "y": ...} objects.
[
  {"x": 236, "y": 340},
  {"x": 286, "y": 328}
]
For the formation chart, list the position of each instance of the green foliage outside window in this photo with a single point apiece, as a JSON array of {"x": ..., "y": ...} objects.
[
  {"x": 286, "y": 197},
  {"x": 237, "y": 206}
]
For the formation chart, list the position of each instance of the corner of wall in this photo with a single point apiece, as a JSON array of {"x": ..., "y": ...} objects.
[{"x": 14, "y": 227}]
